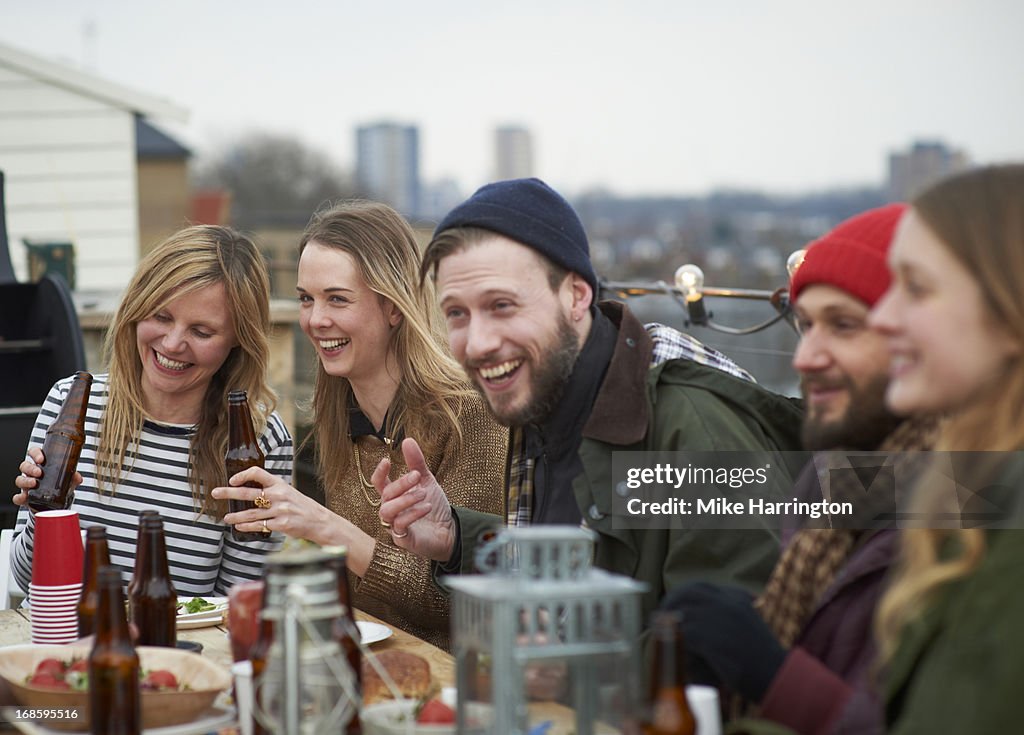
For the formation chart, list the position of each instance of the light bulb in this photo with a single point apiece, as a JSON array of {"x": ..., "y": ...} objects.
[
  {"x": 690, "y": 280},
  {"x": 795, "y": 259}
]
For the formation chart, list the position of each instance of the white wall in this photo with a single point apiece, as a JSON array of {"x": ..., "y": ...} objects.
[{"x": 69, "y": 164}]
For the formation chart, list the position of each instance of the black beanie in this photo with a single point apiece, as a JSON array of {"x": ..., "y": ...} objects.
[{"x": 533, "y": 214}]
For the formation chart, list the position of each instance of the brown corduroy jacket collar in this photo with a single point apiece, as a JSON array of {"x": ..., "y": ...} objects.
[{"x": 620, "y": 412}]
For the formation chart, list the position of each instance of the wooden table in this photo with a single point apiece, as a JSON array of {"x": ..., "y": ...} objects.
[{"x": 15, "y": 629}]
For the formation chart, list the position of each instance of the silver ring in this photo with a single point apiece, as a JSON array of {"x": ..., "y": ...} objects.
[{"x": 399, "y": 535}]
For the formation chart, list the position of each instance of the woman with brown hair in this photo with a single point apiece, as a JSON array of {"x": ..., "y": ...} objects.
[
  {"x": 384, "y": 374},
  {"x": 949, "y": 623}
]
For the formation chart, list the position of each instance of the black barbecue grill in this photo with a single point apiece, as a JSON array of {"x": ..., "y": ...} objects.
[{"x": 40, "y": 342}]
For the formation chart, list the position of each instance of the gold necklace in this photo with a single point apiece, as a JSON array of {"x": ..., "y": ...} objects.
[{"x": 363, "y": 484}]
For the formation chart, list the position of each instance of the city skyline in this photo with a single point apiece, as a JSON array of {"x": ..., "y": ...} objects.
[{"x": 660, "y": 99}]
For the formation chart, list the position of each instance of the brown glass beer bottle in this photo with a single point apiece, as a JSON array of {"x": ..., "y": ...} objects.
[
  {"x": 243, "y": 452},
  {"x": 61, "y": 449},
  {"x": 346, "y": 632},
  {"x": 154, "y": 603},
  {"x": 97, "y": 556},
  {"x": 115, "y": 700},
  {"x": 669, "y": 711},
  {"x": 140, "y": 558}
]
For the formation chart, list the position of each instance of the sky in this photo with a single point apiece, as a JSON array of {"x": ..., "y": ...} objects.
[{"x": 671, "y": 97}]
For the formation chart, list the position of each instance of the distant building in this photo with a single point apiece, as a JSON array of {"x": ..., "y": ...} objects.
[
  {"x": 926, "y": 162},
  {"x": 68, "y": 149},
  {"x": 439, "y": 198},
  {"x": 513, "y": 153},
  {"x": 388, "y": 165}
]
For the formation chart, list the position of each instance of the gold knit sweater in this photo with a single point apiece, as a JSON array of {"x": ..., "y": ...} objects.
[{"x": 398, "y": 586}]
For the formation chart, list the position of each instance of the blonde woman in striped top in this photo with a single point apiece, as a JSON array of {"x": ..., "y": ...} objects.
[{"x": 192, "y": 325}]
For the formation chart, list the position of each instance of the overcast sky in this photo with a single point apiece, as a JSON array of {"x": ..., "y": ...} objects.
[{"x": 641, "y": 96}]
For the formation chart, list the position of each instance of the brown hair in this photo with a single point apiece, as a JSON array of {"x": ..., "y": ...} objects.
[
  {"x": 979, "y": 216},
  {"x": 432, "y": 387}
]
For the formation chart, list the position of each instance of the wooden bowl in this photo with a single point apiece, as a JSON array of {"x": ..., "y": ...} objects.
[{"x": 159, "y": 709}]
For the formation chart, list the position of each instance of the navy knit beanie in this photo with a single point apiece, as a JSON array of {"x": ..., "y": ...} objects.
[{"x": 533, "y": 214}]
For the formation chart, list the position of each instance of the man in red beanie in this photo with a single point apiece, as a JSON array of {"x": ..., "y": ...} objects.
[
  {"x": 843, "y": 365},
  {"x": 803, "y": 651}
]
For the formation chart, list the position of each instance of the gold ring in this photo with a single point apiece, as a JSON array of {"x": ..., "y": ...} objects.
[
  {"x": 385, "y": 524},
  {"x": 399, "y": 535},
  {"x": 261, "y": 500},
  {"x": 266, "y": 529}
]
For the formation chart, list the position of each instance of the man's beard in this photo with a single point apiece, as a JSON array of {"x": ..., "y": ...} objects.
[
  {"x": 865, "y": 425},
  {"x": 547, "y": 380}
]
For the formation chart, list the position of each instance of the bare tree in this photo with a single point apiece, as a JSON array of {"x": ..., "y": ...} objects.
[{"x": 273, "y": 180}]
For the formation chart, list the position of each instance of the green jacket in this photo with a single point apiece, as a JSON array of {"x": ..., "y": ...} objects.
[
  {"x": 960, "y": 666},
  {"x": 675, "y": 405}
]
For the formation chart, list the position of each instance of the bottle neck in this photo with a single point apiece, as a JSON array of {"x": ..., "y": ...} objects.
[
  {"x": 240, "y": 427},
  {"x": 154, "y": 564},
  {"x": 71, "y": 419},
  {"x": 669, "y": 657},
  {"x": 111, "y": 620},
  {"x": 97, "y": 555}
]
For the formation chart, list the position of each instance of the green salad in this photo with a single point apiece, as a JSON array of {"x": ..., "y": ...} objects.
[{"x": 195, "y": 605}]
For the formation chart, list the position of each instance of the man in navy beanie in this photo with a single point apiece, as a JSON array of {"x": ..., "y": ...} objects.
[{"x": 576, "y": 382}]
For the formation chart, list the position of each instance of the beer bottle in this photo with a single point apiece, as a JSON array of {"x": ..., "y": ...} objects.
[
  {"x": 61, "y": 449},
  {"x": 115, "y": 700},
  {"x": 346, "y": 632},
  {"x": 97, "y": 555},
  {"x": 243, "y": 452},
  {"x": 140, "y": 556},
  {"x": 154, "y": 603},
  {"x": 669, "y": 711}
]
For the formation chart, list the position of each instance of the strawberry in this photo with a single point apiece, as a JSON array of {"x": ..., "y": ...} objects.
[
  {"x": 160, "y": 679},
  {"x": 436, "y": 712},
  {"x": 51, "y": 666},
  {"x": 48, "y": 681}
]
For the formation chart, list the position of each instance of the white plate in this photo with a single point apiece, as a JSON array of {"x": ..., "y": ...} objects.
[
  {"x": 372, "y": 632},
  {"x": 205, "y": 618}
]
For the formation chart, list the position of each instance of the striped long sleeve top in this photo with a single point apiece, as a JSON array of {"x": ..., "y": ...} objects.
[{"x": 203, "y": 558}]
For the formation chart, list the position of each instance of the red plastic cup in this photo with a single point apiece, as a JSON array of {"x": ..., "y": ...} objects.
[
  {"x": 244, "y": 602},
  {"x": 57, "y": 557}
]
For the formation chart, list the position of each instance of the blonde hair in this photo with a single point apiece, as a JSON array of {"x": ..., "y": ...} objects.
[
  {"x": 432, "y": 387},
  {"x": 191, "y": 259},
  {"x": 979, "y": 216}
]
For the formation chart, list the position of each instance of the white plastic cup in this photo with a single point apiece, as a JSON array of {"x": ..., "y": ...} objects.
[
  {"x": 704, "y": 705},
  {"x": 242, "y": 671}
]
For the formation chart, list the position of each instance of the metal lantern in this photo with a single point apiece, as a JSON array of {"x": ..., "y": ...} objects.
[
  {"x": 308, "y": 686},
  {"x": 541, "y": 617}
]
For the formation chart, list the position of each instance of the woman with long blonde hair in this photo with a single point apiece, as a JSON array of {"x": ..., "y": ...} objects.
[
  {"x": 950, "y": 623},
  {"x": 192, "y": 326},
  {"x": 384, "y": 373}
]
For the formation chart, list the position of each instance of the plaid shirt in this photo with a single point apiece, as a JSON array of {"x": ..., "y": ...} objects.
[{"x": 669, "y": 344}]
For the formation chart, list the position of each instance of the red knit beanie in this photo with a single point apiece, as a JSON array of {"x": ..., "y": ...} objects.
[{"x": 852, "y": 256}]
